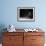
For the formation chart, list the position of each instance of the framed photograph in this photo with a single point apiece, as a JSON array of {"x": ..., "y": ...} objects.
[{"x": 26, "y": 14}]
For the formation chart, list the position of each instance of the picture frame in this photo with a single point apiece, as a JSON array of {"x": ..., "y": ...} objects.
[{"x": 26, "y": 14}]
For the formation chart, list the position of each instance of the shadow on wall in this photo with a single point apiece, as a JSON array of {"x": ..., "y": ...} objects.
[{"x": 2, "y": 27}]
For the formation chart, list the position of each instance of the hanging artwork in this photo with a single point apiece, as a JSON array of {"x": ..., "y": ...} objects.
[{"x": 26, "y": 14}]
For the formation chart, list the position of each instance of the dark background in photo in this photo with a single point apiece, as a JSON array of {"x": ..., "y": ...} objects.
[{"x": 26, "y": 13}]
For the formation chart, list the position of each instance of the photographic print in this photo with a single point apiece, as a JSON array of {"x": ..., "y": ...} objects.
[{"x": 26, "y": 14}]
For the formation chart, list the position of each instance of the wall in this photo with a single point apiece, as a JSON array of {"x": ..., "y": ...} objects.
[{"x": 8, "y": 13}]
